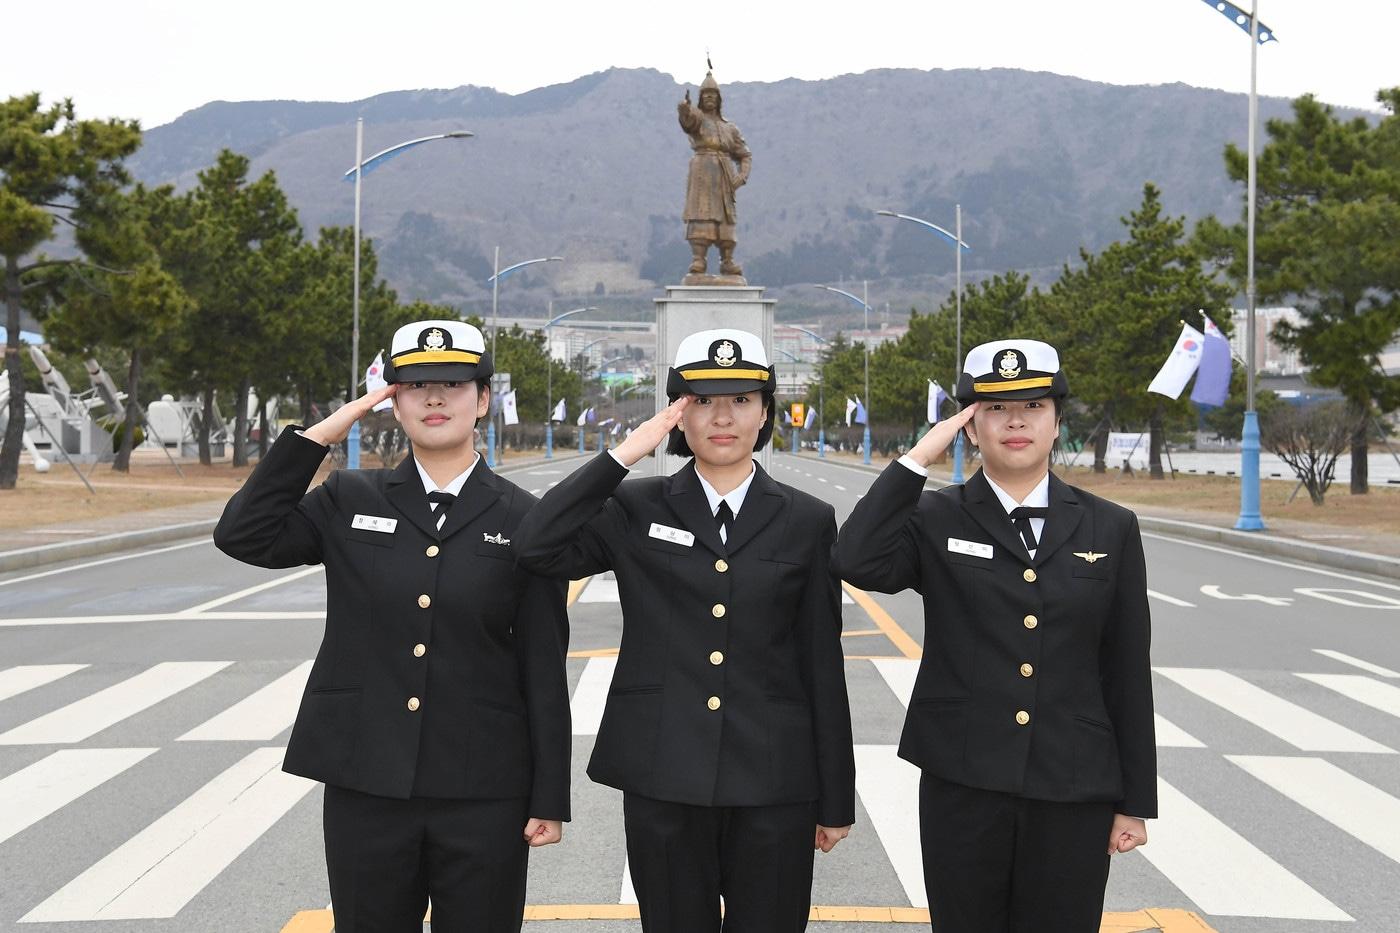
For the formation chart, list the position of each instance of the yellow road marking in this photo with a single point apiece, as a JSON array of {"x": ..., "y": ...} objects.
[
  {"x": 906, "y": 645},
  {"x": 1151, "y": 920},
  {"x": 595, "y": 653},
  {"x": 576, "y": 588},
  {"x": 864, "y": 631}
]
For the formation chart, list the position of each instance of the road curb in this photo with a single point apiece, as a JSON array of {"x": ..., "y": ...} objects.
[
  {"x": 59, "y": 551},
  {"x": 1254, "y": 542}
]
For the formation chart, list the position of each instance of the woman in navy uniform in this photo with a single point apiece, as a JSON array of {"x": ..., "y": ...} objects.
[
  {"x": 1031, "y": 717},
  {"x": 726, "y": 726},
  {"x": 437, "y": 712}
]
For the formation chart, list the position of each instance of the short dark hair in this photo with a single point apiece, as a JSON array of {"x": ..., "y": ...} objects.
[{"x": 676, "y": 445}]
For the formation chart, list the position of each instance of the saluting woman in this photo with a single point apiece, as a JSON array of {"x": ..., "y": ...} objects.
[
  {"x": 726, "y": 726},
  {"x": 1031, "y": 717}
]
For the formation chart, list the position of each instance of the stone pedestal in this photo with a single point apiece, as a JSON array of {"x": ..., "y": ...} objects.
[{"x": 690, "y": 308}]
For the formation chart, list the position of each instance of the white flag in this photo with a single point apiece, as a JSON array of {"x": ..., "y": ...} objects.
[
  {"x": 936, "y": 397},
  {"x": 850, "y": 410},
  {"x": 1181, "y": 365},
  {"x": 508, "y": 411},
  {"x": 582, "y": 418},
  {"x": 559, "y": 414},
  {"x": 811, "y": 416},
  {"x": 617, "y": 427},
  {"x": 374, "y": 380}
]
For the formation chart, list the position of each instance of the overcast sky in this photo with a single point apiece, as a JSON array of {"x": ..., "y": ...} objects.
[{"x": 155, "y": 59}]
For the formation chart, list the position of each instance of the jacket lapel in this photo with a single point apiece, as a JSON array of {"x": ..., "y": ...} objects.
[
  {"x": 985, "y": 508},
  {"x": 1060, "y": 524},
  {"x": 404, "y": 490},
  {"x": 478, "y": 494},
  {"x": 687, "y": 500},
  {"x": 764, "y": 500}
]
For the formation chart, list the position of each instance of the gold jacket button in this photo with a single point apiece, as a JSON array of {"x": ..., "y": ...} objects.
[
  {"x": 1023, "y": 717},
  {"x": 419, "y": 650},
  {"x": 1029, "y": 575},
  {"x": 716, "y": 658},
  {"x": 721, "y": 565},
  {"x": 433, "y": 550},
  {"x": 712, "y": 702},
  {"x": 413, "y": 704},
  {"x": 1027, "y": 670},
  {"x": 1030, "y": 621},
  {"x": 424, "y": 601},
  {"x": 717, "y": 610}
]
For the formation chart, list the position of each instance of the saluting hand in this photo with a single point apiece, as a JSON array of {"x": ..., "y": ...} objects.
[
  {"x": 543, "y": 832},
  {"x": 940, "y": 436},
  {"x": 649, "y": 434},
  {"x": 828, "y": 836},
  {"x": 1127, "y": 834},
  {"x": 336, "y": 426}
]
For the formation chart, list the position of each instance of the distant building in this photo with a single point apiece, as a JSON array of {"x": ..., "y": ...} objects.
[{"x": 1270, "y": 357}]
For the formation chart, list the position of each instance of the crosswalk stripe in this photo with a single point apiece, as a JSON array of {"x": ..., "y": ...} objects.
[
  {"x": 1297, "y": 726},
  {"x": 628, "y": 894},
  {"x": 1221, "y": 871},
  {"x": 1357, "y": 662},
  {"x": 1170, "y": 735},
  {"x": 160, "y": 869},
  {"x": 258, "y": 717},
  {"x": 1374, "y": 693},
  {"x": 51, "y": 783},
  {"x": 586, "y": 707},
  {"x": 87, "y": 717},
  {"x": 1342, "y": 799},
  {"x": 899, "y": 675},
  {"x": 602, "y": 589},
  {"x": 16, "y": 680},
  {"x": 889, "y": 790}
]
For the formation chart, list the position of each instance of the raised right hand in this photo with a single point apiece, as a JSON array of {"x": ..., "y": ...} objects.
[
  {"x": 940, "y": 436},
  {"x": 647, "y": 436},
  {"x": 336, "y": 427}
]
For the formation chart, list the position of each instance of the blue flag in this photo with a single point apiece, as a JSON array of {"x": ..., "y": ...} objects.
[
  {"x": 1213, "y": 375},
  {"x": 859, "y": 412}
]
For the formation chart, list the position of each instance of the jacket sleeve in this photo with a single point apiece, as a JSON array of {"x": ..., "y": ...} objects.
[
  {"x": 273, "y": 521},
  {"x": 541, "y": 645},
  {"x": 823, "y": 667},
  {"x": 571, "y": 532},
  {"x": 878, "y": 547},
  {"x": 1126, "y": 674}
]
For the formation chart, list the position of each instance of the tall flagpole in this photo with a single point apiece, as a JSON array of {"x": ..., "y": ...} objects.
[
  {"x": 352, "y": 443},
  {"x": 1250, "y": 519}
]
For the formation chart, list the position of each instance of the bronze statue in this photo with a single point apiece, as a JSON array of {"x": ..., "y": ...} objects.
[{"x": 719, "y": 167}]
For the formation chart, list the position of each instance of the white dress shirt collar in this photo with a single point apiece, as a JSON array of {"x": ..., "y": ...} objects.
[
  {"x": 1039, "y": 496},
  {"x": 454, "y": 487},
  {"x": 735, "y": 497}
]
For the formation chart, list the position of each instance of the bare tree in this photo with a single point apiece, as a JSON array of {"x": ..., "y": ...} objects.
[{"x": 1309, "y": 439}]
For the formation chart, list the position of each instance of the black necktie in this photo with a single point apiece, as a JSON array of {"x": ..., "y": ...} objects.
[
  {"x": 1021, "y": 517},
  {"x": 723, "y": 516},
  {"x": 440, "y": 503}
]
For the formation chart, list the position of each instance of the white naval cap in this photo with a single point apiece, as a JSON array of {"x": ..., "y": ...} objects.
[
  {"x": 1011, "y": 369},
  {"x": 437, "y": 351},
  {"x": 725, "y": 361}
]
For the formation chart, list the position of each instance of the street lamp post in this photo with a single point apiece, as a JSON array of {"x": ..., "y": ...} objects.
[
  {"x": 865, "y": 304},
  {"x": 362, "y": 165},
  {"x": 821, "y": 393},
  {"x": 497, "y": 273},
  {"x": 583, "y": 428},
  {"x": 549, "y": 378},
  {"x": 958, "y": 246},
  {"x": 795, "y": 426}
]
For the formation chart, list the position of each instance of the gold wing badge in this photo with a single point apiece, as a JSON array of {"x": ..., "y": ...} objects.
[{"x": 1089, "y": 556}]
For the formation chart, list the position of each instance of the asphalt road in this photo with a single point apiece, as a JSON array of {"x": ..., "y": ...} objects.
[{"x": 145, "y": 700}]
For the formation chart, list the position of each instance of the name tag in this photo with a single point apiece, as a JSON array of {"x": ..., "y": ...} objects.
[
  {"x": 375, "y": 523},
  {"x": 674, "y": 535},
  {"x": 970, "y": 548}
]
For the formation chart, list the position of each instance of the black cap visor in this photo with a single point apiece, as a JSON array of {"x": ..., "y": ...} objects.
[
  {"x": 677, "y": 385},
  {"x": 988, "y": 389}
]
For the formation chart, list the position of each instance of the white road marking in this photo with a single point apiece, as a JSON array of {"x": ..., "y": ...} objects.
[
  {"x": 1221, "y": 871},
  {"x": 249, "y": 591},
  {"x": 889, "y": 790},
  {"x": 1170, "y": 599},
  {"x": 534, "y": 492},
  {"x": 899, "y": 675},
  {"x": 16, "y": 680},
  {"x": 822, "y": 479},
  {"x": 105, "y": 560},
  {"x": 627, "y": 893},
  {"x": 1214, "y": 591},
  {"x": 161, "y": 869},
  {"x": 601, "y": 588},
  {"x": 162, "y": 617},
  {"x": 1374, "y": 693},
  {"x": 544, "y": 472},
  {"x": 259, "y": 717},
  {"x": 839, "y": 486},
  {"x": 1170, "y": 735},
  {"x": 1271, "y": 560},
  {"x": 586, "y": 707},
  {"x": 52, "y": 783},
  {"x": 85, "y": 718},
  {"x": 1297, "y": 726},
  {"x": 1342, "y": 799},
  {"x": 1357, "y": 662},
  {"x": 1369, "y": 600}
]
